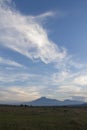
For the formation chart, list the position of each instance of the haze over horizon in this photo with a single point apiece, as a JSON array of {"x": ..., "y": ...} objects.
[{"x": 43, "y": 49}]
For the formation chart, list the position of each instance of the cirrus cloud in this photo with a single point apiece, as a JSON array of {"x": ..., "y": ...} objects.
[{"x": 27, "y": 36}]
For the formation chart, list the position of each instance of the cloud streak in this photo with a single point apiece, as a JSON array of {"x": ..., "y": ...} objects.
[
  {"x": 26, "y": 36},
  {"x": 9, "y": 62},
  {"x": 13, "y": 77},
  {"x": 16, "y": 94}
]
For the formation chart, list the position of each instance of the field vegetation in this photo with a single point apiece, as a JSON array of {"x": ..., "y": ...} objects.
[{"x": 43, "y": 118}]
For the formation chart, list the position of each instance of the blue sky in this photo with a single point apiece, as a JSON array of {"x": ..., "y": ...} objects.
[{"x": 43, "y": 48}]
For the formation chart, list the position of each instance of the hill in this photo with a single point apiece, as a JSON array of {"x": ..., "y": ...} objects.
[{"x": 43, "y": 101}]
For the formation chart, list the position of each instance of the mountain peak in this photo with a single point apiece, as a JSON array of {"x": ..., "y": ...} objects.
[
  {"x": 44, "y": 101},
  {"x": 42, "y": 98}
]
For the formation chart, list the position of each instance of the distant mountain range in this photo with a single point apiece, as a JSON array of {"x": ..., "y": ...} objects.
[{"x": 43, "y": 101}]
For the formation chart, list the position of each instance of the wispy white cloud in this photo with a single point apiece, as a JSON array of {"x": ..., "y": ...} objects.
[
  {"x": 69, "y": 63},
  {"x": 26, "y": 36},
  {"x": 69, "y": 83},
  {"x": 72, "y": 90},
  {"x": 45, "y": 15},
  {"x": 13, "y": 77},
  {"x": 16, "y": 93},
  {"x": 2, "y": 2},
  {"x": 9, "y": 62},
  {"x": 60, "y": 77},
  {"x": 81, "y": 80}
]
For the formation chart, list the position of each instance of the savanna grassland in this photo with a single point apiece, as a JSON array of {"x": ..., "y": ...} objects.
[{"x": 43, "y": 118}]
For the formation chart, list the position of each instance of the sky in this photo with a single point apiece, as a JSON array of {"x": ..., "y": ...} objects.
[{"x": 43, "y": 49}]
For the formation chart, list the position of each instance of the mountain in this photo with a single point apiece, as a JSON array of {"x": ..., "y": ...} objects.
[
  {"x": 84, "y": 105},
  {"x": 43, "y": 101},
  {"x": 71, "y": 102}
]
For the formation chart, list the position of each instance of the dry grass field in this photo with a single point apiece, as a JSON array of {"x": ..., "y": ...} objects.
[{"x": 43, "y": 118}]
